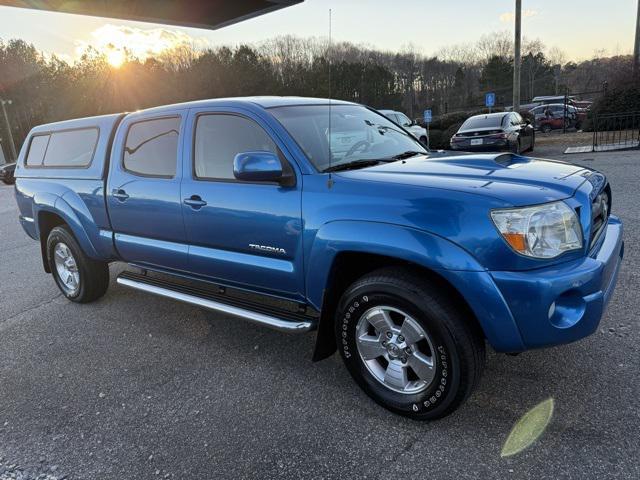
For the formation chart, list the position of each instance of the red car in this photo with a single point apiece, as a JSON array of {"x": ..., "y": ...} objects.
[{"x": 552, "y": 116}]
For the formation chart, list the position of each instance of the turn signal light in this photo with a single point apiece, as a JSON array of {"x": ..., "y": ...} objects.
[{"x": 516, "y": 240}]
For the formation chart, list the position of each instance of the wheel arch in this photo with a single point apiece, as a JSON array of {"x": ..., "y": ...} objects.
[
  {"x": 343, "y": 251},
  {"x": 56, "y": 212},
  {"x": 358, "y": 264}
]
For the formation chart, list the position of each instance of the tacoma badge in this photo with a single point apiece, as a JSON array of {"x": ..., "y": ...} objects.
[{"x": 267, "y": 248}]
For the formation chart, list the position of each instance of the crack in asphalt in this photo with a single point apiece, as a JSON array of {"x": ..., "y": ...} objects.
[
  {"x": 405, "y": 449},
  {"x": 4, "y": 322}
]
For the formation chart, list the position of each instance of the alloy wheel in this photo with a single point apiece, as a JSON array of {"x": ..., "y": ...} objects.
[
  {"x": 396, "y": 350},
  {"x": 66, "y": 268}
]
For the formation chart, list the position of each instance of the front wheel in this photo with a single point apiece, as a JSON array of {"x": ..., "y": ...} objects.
[
  {"x": 407, "y": 345},
  {"x": 81, "y": 279}
]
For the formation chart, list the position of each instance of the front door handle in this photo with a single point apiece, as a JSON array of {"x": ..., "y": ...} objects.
[
  {"x": 119, "y": 194},
  {"x": 195, "y": 202}
]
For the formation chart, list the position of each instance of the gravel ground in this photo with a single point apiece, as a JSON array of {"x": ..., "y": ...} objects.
[{"x": 134, "y": 386}]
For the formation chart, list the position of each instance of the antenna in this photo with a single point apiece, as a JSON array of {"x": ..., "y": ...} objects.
[{"x": 329, "y": 52}]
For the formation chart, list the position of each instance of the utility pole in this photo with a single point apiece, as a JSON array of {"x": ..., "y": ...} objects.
[
  {"x": 516, "y": 57},
  {"x": 8, "y": 127},
  {"x": 636, "y": 50}
]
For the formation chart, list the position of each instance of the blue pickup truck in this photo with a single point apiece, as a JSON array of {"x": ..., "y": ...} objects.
[{"x": 308, "y": 214}]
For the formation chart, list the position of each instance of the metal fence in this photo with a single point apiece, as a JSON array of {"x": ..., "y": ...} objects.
[{"x": 616, "y": 131}]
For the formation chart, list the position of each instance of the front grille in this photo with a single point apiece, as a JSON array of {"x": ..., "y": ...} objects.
[{"x": 600, "y": 209}]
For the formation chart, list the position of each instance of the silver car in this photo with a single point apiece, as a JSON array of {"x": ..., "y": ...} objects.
[{"x": 405, "y": 122}]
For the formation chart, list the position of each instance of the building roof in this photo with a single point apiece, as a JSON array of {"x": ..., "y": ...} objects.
[{"x": 211, "y": 14}]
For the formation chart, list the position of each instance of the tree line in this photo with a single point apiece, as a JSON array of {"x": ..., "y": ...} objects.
[{"x": 45, "y": 88}]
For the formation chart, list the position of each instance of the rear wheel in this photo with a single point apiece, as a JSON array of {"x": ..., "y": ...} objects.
[
  {"x": 423, "y": 141},
  {"x": 407, "y": 345},
  {"x": 546, "y": 128},
  {"x": 80, "y": 278}
]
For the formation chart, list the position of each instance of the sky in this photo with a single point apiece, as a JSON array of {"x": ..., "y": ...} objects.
[{"x": 577, "y": 27}]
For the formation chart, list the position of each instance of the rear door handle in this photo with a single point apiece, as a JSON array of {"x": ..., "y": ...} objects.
[
  {"x": 119, "y": 194},
  {"x": 195, "y": 202}
]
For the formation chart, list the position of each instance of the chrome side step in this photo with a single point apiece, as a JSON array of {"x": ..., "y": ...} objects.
[{"x": 163, "y": 289}]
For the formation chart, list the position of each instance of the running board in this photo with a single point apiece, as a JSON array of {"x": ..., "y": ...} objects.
[{"x": 281, "y": 320}]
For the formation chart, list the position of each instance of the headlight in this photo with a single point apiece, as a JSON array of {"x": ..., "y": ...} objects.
[{"x": 542, "y": 231}]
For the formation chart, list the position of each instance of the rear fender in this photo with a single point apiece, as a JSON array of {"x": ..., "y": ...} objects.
[{"x": 78, "y": 220}]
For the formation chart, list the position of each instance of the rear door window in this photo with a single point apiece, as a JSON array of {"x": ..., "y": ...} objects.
[{"x": 151, "y": 148}]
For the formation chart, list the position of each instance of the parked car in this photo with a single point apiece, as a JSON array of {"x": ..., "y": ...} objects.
[
  {"x": 406, "y": 262},
  {"x": 550, "y": 99},
  {"x": 405, "y": 122},
  {"x": 7, "y": 173},
  {"x": 494, "y": 132},
  {"x": 583, "y": 104},
  {"x": 554, "y": 116}
]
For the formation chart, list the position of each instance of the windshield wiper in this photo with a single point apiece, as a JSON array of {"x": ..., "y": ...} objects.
[
  {"x": 407, "y": 154},
  {"x": 366, "y": 162}
]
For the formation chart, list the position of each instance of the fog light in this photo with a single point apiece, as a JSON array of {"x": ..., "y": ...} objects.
[{"x": 567, "y": 310}]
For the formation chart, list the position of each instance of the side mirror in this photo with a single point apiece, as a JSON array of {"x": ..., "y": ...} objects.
[{"x": 257, "y": 167}]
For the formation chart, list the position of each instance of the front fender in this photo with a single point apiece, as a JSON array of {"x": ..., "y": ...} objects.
[
  {"x": 395, "y": 241},
  {"x": 425, "y": 249}
]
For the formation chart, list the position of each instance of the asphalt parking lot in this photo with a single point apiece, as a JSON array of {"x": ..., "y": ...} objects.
[{"x": 136, "y": 387}]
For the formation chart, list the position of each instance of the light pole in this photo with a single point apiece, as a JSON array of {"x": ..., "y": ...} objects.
[
  {"x": 8, "y": 126},
  {"x": 516, "y": 57}
]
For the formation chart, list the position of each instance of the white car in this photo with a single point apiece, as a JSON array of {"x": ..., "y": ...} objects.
[{"x": 401, "y": 119}]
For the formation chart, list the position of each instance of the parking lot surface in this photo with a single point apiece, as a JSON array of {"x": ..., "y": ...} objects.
[{"x": 136, "y": 387}]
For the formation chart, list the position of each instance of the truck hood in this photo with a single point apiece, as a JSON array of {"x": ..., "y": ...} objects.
[{"x": 513, "y": 179}]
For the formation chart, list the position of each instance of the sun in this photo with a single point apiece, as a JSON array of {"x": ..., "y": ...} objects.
[
  {"x": 115, "y": 57},
  {"x": 120, "y": 44}
]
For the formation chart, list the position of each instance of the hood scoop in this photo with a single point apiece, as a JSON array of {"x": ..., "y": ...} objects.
[{"x": 487, "y": 162}]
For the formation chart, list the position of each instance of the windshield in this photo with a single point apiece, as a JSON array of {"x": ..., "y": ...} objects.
[
  {"x": 357, "y": 134},
  {"x": 482, "y": 121}
]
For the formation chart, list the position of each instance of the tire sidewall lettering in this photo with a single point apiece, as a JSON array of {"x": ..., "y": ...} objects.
[{"x": 430, "y": 399}]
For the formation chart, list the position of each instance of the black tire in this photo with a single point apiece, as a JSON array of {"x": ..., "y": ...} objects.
[
  {"x": 546, "y": 128},
  {"x": 459, "y": 346},
  {"x": 533, "y": 142},
  {"x": 93, "y": 274},
  {"x": 516, "y": 148},
  {"x": 423, "y": 141}
]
